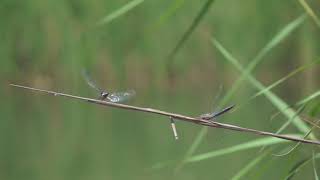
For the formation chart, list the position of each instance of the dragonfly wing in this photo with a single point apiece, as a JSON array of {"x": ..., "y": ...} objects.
[
  {"x": 214, "y": 113},
  {"x": 90, "y": 82},
  {"x": 217, "y": 98},
  {"x": 121, "y": 96}
]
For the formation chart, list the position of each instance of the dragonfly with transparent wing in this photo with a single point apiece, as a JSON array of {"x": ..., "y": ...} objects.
[
  {"x": 214, "y": 114},
  {"x": 116, "y": 97},
  {"x": 207, "y": 116}
]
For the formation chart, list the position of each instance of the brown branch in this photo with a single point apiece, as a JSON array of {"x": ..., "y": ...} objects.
[{"x": 175, "y": 116}]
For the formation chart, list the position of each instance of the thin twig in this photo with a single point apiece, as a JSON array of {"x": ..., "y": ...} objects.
[{"x": 175, "y": 116}]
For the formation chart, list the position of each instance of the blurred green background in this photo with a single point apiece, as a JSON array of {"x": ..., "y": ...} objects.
[{"x": 46, "y": 44}]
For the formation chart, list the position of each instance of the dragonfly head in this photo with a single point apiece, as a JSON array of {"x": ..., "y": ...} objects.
[{"x": 104, "y": 95}]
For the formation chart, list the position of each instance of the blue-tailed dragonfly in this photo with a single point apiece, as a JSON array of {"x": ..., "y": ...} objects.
[{"x": 213, "y": 115}]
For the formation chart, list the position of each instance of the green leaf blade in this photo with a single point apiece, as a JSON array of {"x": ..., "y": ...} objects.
[
  {"x": 124, "y": 9},
  {"x": 240, "y": 147}
]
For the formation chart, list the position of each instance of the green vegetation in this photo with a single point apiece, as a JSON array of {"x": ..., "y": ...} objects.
[{"x": 176, "y": 55}]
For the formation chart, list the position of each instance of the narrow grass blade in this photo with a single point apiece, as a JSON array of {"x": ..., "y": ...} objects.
[
  {"x": 192, "y": 27},
  {"x": 124, "y": 9},
  {"x": 240, "y": 147},
  {"x": 274, "y": 99},
  {"x": 192, "y": 148},
  {"x": 248, "y": 167},
  {"x": 316, "y": 177},
  {"x": 310, "y": 12},
  {"x": 286, "y": 31},
  {"x": 309, "y": 98},
  {"x": 196, "y": 142},
  {"x": 161, "y": 165},
  {"x": 291, "y": 119},
  {"x": 298, "y": 166},
  {"x": 300, "y": 103},
  {"x": 292, "y": 73},
  {"x": 171, "y": 10}
]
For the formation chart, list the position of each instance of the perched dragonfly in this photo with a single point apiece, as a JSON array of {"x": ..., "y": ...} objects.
[
  {"x": 213, "y": 115},
  {"x": 115, "y": 97}
]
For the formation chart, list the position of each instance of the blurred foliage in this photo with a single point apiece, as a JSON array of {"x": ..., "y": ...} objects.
[{"x": 47, "y": 44}]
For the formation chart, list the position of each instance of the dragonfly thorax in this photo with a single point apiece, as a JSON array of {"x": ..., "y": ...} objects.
[{"x": 207, "y": 116}]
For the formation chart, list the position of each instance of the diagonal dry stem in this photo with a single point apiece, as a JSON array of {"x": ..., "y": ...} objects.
[{"x": 195, "y": 120}]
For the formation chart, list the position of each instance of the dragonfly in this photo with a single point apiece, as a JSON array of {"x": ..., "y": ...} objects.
[
  {"x": 213, "y": 115},
  {"x": 115, "y": 97},
  {"x": 208, "y": 116}
]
